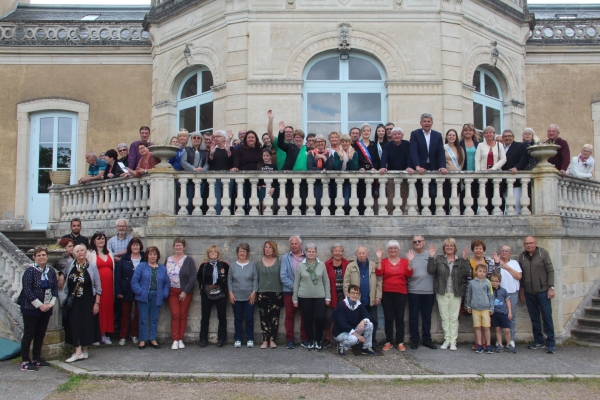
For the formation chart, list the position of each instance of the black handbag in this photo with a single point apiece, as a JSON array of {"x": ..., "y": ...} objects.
[
  {"x": 214, "y": 293},
  {"x": 68, "y": 303}
]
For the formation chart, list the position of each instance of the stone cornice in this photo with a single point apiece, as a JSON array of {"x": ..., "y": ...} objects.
[
  {"x": 269, "y": 86},
  {"x": 163, "y": 9},
  {"x": 415, "y": 87},
  {"x": 565, "y": 32},
  {"x": 513, "y": 8},
  {"x": 73, "y": 33}
]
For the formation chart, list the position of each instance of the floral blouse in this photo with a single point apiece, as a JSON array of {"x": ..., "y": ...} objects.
[{"x": 173, "y": 271}]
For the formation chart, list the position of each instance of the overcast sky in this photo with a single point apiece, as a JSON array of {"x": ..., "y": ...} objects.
[{"x": 143, "y": 2}]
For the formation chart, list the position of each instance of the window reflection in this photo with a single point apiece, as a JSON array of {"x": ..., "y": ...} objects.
[
  {"x": 364, "y": 106},
  {"x": 327, "y": 69},
  {"x": 324, "y": 107},
  {"x": 187, "y": 119},
  {"x": 65, "y": 129},
  {"x": 190, "y": 88},
  {"x": 46, "y": 129},
  {"x": 206, "y": 116},
  {"x": 361, "y": 69}
]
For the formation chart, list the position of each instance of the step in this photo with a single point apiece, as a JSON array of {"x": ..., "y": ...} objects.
[
  {"x": 590, "y": 335},
  {"x": 24, "y": 234},
  {"x": 595, "y": 301},
  {"x": 588, "y": 323},
  {"x": 592, "y": 312}
]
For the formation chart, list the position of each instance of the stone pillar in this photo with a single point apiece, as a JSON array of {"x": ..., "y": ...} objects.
[
  {"x": 55, "y": 204},
  {"x": 162, "y": 193},
  {"x": 54, "y": 341},
  {"x": 545, "y": 193}
]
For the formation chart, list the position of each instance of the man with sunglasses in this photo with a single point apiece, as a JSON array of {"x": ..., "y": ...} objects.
[
  {"x": 352, "y": 324},
  {"x": 420, "y": 296}
]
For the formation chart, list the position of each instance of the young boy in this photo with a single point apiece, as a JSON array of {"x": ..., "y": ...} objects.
[
  {"x": 480, "y": 303},
  {"x": 502, "y": 314}
]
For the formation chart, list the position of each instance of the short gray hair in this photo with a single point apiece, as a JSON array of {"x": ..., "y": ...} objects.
[
  {"x": 419, "y": 235},
  {"x": 426, "y": 115},
  {"x": 122, "y": 220},
  {"x": 587, "y": 146},
  {"x": 335, "y": 245},
  {"x": 363, "y": 246},
  {"x": 392, "y": 243},
  {"x": 556, "y": 126},
  {"x": 91, "y": 153},
  {"x": 221, "y": 133},
  {"x": 320, "y": 137},
  {"x": 122, "y": 145},
  {"x": 297, "y": 237},
  {"x": 311, "y": 246},
  {"x": 397, "y": 129},
  {"x": 509, "y": 131}
]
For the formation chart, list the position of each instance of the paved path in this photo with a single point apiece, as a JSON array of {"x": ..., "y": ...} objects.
[{"x": 16, "y": 384}]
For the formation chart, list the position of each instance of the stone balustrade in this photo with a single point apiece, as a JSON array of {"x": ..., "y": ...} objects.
[
  {"x": 579, "y": 198},
  {"x": 563, "y": 31},
  {"x": 459, "y": 193}
]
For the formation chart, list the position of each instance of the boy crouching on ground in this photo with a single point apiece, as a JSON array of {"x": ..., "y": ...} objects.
[
  {"x": 502, "y": 314},
  {"x": 480, "y": 304}
]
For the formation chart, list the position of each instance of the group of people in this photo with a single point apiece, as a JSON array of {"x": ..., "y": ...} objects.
[
  {"x": 359, "y": 150},
  {"x": 337, "y": 299}
]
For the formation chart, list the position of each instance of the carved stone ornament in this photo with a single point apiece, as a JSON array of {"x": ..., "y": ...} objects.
[
  {"x": 495, "y": 53},
  {"x": 290, "y": 4},
  {"x": 344, "y": 36},
  {"x": 187, "y": 53},
  {"x": 398, "y": 4}
]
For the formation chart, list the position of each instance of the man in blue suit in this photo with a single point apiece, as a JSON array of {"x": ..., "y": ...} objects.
[{"x": 427, "y": 154}]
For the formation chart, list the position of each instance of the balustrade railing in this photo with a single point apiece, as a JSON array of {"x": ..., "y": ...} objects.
[
  {"x": 297, "y": 193},
  {"x": 13, "y": 263},
  {"x": 579, "y": 198}
]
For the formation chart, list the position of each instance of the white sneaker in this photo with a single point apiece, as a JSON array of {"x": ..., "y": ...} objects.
[
  {"x": 106, "y": 340},
  {"x": 122, "y": 342},
  {"x": 181, "y": 345},
  {"x": 175, "y": 345},
  {"x": 96, "y": 344},
  {"x": 250, "y": 344},
  {"x": 75, "y": 357},
  {"x": 85, "y": 355},
  {"x": 134, "y": 339},
  {"x": 445, "y": 346},
  {"x": 237, "y": 344},
  {"x": 453, "y": 347}
]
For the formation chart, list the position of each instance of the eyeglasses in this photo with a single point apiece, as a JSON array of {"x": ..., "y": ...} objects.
[
  {"x": 526, "y": 243},
  {"x": 353, "y": 292},
  {"x": 504, "y": 251},
  {"x": 122, "y": 150},
  {"x": 388, "y": 129},
  {"x": 417, "y": 241},
  {"x": 507, "y": 136},
  {"x": 99, "y": 233}
]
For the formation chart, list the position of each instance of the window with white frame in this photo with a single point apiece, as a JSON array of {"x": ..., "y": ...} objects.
[
  {"x": 341, "y": 92},
  {"x": 195, "y": 101},
  {"x": 487, "y": 101}
]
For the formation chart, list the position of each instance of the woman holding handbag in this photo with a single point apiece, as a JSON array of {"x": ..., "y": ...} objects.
[
  {"x": 38, "y": 296},
  {"x": 83, "y": 301},
  {"x": 490, "y": 156},
  {"x": 212, "y": 279}
]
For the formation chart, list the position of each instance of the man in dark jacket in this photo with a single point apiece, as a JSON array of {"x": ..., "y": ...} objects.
[
  {"x": 537, "y": 289},
  {"x": 352, "y": 324},
  {"x": 563, "y": 156},
  {"x": 396, "y": 157}
]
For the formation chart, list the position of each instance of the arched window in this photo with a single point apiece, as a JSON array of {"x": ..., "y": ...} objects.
[
  {"x": 487, "y": 100},
  {"x": 343, "y": 91},
  {"x": 195, "y": 101}
]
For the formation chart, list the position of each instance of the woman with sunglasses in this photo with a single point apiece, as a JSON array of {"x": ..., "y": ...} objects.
[
  {"x": 38, "y": 296},
  {"x": 105, "y": 262}
]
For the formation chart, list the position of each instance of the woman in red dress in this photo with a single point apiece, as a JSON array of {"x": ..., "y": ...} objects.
[{"x": 99, "y": 255}]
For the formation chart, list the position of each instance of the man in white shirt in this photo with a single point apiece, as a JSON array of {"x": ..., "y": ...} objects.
[
  {"x": 511, "y": 275},
  {"x": 118, "y": 244}
]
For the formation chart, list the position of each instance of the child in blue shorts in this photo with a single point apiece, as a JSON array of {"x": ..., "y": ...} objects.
[{"x": 502, "y": 313}]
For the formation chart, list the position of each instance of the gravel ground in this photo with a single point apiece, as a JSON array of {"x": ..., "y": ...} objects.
[
  {"x": 115, "y": 389},
  {"x": 16, "y": 384},
  {"x": 392, "y": 362}
]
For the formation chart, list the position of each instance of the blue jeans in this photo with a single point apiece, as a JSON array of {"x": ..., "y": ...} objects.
[
  {"x": 146, "y": 310},
  {"x": 243, "y": 311},
  {"x": 420, "y": 304},
  {"x": 540, "y": 305}
]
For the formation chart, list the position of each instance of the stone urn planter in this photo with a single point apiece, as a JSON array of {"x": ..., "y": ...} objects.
[
  {"x": 543, "y": 152},
  {"x": 164, "y": 152},
  {"x": 53, "y": 255},
  {"x": 60, "y": 177}
]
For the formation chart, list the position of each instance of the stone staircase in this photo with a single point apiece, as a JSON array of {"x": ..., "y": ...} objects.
[
  {"x": 27, "y": 240},
  {"x": 587, "y": 331}
]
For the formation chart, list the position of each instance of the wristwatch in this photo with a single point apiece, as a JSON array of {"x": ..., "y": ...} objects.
[{"x": 552, "y": 287}]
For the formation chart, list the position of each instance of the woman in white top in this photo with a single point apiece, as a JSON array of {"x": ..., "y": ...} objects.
[
  {"x": 582, "y": 166},
  {"x": 484, "y": 161}
]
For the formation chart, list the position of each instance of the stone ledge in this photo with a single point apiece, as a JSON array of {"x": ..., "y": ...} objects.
[
  {"x": 517, "y": 376},
  {"x": 370, "y": 377},
  {"x": 69, "y": 368},
  {"x": 447, "y": 376}
]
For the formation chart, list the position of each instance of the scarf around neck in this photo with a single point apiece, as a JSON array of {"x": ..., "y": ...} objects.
[{"x": 311, "y": 270}]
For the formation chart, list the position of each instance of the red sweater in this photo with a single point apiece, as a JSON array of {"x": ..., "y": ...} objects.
[
  {"x": 331, "y": 275},
  {"x": 394, "y": 279}
]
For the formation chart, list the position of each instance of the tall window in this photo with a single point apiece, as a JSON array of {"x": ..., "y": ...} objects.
[
  {"x": 487, "y": 101},
  {"x": 195, "y": 101},
  {"x": 340, "y": 94}
]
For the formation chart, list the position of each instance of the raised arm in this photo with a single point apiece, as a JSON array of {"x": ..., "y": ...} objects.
[{"x": 270, "y": 125}]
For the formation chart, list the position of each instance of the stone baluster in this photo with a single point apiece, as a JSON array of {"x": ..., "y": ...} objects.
[
  {"x": 562, "y": 194},
  {"x": 15, "y": 289},
  {"x": 482, "y": 201},
  {"x": 311, "y": 201},
  {"x": 426, "y": 200},
  {"x": 440, "y": 200},
  {"x": 197, "y": 201},
  {"x": 94, "y": 210},
  {"x": 296, "y": 199},
  {"x": 569, "y": 199},
  {"x": 382, "y": 201},
  {"x": 11, "y": 276},
  {"x": 326, "y": 200},
  {"x": 112, "y": 206},
  {"x": 581, "y": 200},
  {"x": 455, "y": 196},
  {"x": 79, "y": 200},
  {"x": 69, "y": 203},
  {"x": 225, "y": 199},
  {"x": 83, "y": 213},
  {"x": 119, "y": 206},
  {"x": 64, "y": 197},
  {"x": 353, "y": 197},
  {"x": 127, "y": 199},
  {"x": 497, "y": 199},
  {"x": 145, "y": 197},
  {"x": 594, "y": 202},
  {"x": 369, "y": 201},
  {"x": 525, "y": 201},
  {"x": 137, "y": 201},
  {"x": 411, "y": 201},
  {"x": 254, "y": 202},
  {"x": 239, "y": 201},
  {"x": 510, "y": 196},
  {"x": 211, "y": 202},
  {"x": 90, "y": 207},
  {"x": 468, "y": 200},
  {"x": 4, "y": 270},
  {"x": 397, "y": 200},
  {"x": 100, "y": 203},
  {"x": 339, "y": 196},
  {"x": 268, "y": 200},
  {"x": 183, "y": 200}
]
